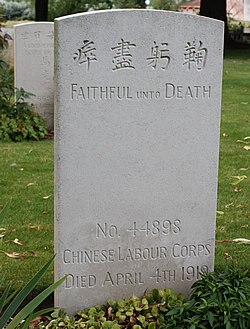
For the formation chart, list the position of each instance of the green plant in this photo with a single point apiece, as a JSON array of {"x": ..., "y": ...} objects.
[
  {"x": 27, "y": 311},
  {"x": 146, "y": 312},
  {"x": 17, "y": 9},
  {"x": 217, "y": 301},
  {"x": 18, "y": 119},
  {"x": 3, "y": 39}
]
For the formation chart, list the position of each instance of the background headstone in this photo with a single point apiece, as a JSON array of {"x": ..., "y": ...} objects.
[
  {"x": 34, "y": 65},
  {"x": 136, "y": 156}
]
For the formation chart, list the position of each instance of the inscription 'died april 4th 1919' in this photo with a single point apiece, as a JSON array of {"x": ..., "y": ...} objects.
[{"x": 183, "y": 273}]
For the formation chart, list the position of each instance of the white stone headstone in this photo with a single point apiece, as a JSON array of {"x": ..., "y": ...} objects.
[
  {"x": 138, "y": 96},
  {"x": 34, "y": 65}
]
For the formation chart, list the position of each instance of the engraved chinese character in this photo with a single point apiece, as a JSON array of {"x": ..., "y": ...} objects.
[
  {"x": 37, "y": 34},
  {"x": 50, "y": 35},
  {"x": 85, "y": 54},
  {"x": 25, "y": 35},
  {"x": 46, "y": 61},
  {"x": 195, "y": 55},
  {"x": 159, "y": 53},
  {"x": 123, "y": 57},
  {"x": 46, "y": 75}
]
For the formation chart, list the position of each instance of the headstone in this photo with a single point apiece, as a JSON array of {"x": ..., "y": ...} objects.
[
  {"x": 34, "y": 65},
  {"x": 136, "y": 156}
]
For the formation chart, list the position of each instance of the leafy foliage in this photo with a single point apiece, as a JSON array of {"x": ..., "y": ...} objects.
[
  {"x": 165, "y": 4},
  {"x": 221, "y": 301},
  {"x": 129, "y": 3},
  {"x": 217, "y": 301},
  {"x": 145, "y": 312},
  {"x": 17, "y": 10},
  {"x": 18, "y": 119},
  {"x": 57, "y": 8}
]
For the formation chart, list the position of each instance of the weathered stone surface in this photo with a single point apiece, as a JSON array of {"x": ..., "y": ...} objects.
[
  {"x": 34, "y": 65},
  {"x": 137, "y": 135}
]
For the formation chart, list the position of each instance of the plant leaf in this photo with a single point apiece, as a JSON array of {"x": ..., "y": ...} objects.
[
  {"x": 25, "y": 324},
  {"x": 13, "y": 254},
  {"x": 229, "y": 257},
  {"x": 34, "y": 303},
  {"x": 34, "y": 227},
  {"x": 32, "y": 252},
  {"x": 220, "y": 212},
  {"x": 241, "y": 240},
  {"x": 229, "y": 205},
  {"x": 11, "y": 296},
  {"x": 46, "y": 197},
  {"x": 4, "y": 296},
  {"x": 210, "y": 318},
  {"x": 15, "y": 241},
  {"x": 39, "y": 314},
  {"x": 30, "y": 184},
  {"x": 4, "y": 212},
  {"x": 23, "y": 293},
  {"x": 240, "y": 179}
]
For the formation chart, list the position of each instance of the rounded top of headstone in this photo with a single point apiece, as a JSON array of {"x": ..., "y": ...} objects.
[
  {"x": 143, "y": 12},
  {"x": 31, "y": 24}
]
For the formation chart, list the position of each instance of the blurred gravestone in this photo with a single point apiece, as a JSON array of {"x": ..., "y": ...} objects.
[
  {"x": 136, "y": 156},
  {"x": 34, "y": 66}
]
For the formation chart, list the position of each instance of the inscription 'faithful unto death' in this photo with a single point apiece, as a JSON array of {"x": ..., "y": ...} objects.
[{"x": 169, "y": 91}]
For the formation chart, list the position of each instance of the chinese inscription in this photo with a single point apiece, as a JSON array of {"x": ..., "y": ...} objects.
[
  {"x": 85, "y": 54},
  {"x": 159, "y": 53},
  {"x": 50, "y": 35},
  {"x": 123, "y": 57},
  {"x": 195, "y": 55}
]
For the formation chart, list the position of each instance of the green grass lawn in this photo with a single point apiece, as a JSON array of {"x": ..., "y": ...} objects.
[
  {"x": 26, "y": 176},
  {"x": 31, "y": 213},
  {"x": 233, "y": 159}
]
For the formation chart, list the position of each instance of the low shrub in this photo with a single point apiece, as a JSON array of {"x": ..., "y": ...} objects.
[
  {"x": 217, "y": 301},
  {"x": 14, "y": 10},
  {"x": 18, "y": 121},
  {"x": 133, "y": 312}
]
